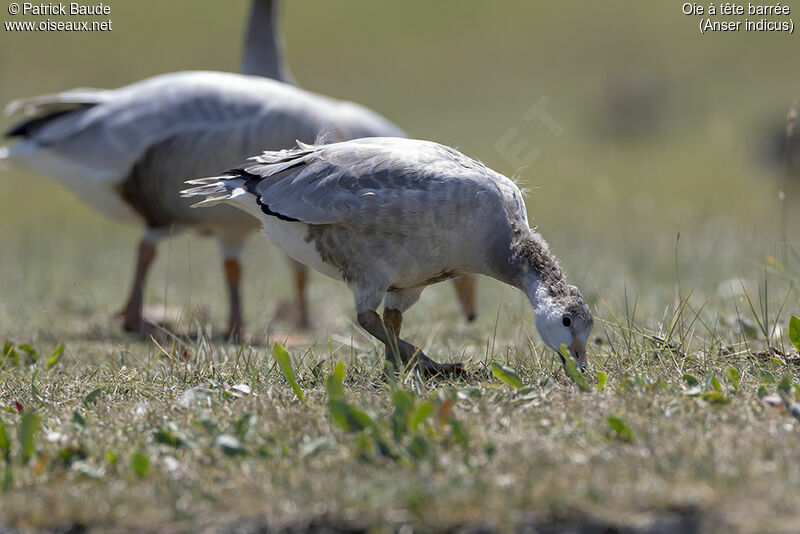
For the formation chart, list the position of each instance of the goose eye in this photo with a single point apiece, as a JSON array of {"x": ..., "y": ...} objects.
[{"x": 566, "y": 321}]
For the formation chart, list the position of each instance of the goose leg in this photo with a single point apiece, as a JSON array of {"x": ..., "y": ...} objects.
[
  {"x": 296, "y": 307},
  {"x": 300, "y": 273},
  {"x": 465, "y": 290},
  {"x": 393, "y": 321},
  {"x": 408, "y": 353},
  {"x": 232, "y": 265},
  {"x": 132, "y": 313}
]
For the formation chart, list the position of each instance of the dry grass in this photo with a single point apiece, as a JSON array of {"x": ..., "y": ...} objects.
[
  {"x": 652, "y": 451},
  {"x": 709, "y": 455}
]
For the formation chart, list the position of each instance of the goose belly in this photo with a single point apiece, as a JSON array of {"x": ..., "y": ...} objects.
[
  {"x": 288, "y": 236},
  {"x": 291, "y": 238},
  {"x": 95, "y": 187}
]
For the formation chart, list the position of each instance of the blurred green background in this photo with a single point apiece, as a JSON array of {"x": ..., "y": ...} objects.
[{"x": 656, "y": 130}]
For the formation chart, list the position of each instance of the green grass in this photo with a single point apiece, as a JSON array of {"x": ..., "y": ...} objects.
[{"x": 675, "y": 238}]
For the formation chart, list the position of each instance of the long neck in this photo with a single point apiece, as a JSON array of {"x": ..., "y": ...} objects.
[
  {"x": 531, "y": 266},
  {"x": 263, "y": 47}
]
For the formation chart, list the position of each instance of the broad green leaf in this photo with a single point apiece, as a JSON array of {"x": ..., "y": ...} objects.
[
  {"x": 285, "y": 365},
  {"x": 715, "y": 383},
  {"x": 334, "y": 383},
  {"x": 785, "y": 384},
  {"x": 5, "y": 443},
  {"x": 350, "y": 419},
  {"x": 716, "y": 397},
  {"x": 768, "y": 377},
  {"x": 507, "y": 375},
  {"x": 92, "y": 397},
  {"x": 691, "y": 380},
  {"x": 794, "y": 331},
  {"x": 571, "y": 367},
  {"x": 140, "y": 464},
  {"x": 111, "y": 458},
  {"x": 732, "y": 374},
  {"x": 762, "y": 392},
  {"x": 621, "y": 429},
  {"x": 166, "y": 437},
  {"x": 53, "y": 359},
  {"x": 230, "y": 445},
  {"x": 421, "y": 414},
  {"x": 602, "y": 378},
  {"x": 27, "y": 432}
]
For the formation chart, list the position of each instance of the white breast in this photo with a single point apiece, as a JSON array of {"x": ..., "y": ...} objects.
[{"x": 288, "y": 236}]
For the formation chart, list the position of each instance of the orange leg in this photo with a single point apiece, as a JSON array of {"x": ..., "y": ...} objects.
[
  {"x": 300, "y": 274},
  {"x": 233, "y": 275},
  {"x": 465, "y": 290},
  {"x": 133, "y": 309}
]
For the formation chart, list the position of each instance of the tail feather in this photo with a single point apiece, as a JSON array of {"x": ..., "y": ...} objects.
[
  {"x": 43, "y": 110},
  {"x": 58, "y": 101},
  {"x": 216, "y": 189}
]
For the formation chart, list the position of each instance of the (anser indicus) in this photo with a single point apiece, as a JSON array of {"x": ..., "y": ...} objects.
[{"x": 390, "y": 216}]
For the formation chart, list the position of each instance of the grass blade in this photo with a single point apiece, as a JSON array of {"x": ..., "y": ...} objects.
[
  {"x": 285, "y": 365},
  {"x": 602, "y": 378},
  {"x": 53, "y": 359},
  {"x": 140, "y": 464},
  {"x": 794, "y": 331},
  {"x": 27, "y": 432},
  {"x": 622, "y": 431},
  {"x": 334, "y": 383}
]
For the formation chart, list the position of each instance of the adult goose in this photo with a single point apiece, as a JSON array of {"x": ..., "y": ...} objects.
[
  {"x": 390, "y": 216},
  {"x": 264, "y": 56},
  {"x": 127, "y": 152}
]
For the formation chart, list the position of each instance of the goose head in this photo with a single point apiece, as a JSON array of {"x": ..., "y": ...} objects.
[{"x": 563, "y": 318}]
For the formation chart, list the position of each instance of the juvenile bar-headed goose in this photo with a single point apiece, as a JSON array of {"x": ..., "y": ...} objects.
[
  {"x": 390, "y": 216},
  {"x": 264, "y": 56}
]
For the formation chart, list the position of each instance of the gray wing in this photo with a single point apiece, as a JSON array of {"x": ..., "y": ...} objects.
[
  {"x": 371, "y": 183},
  {"x": 227, "y": 114}
]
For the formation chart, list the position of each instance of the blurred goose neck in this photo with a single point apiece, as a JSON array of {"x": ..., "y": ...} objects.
[{"x": 263, "y": 46}]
